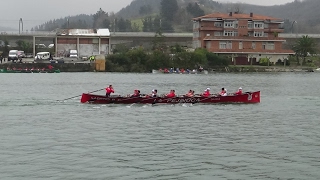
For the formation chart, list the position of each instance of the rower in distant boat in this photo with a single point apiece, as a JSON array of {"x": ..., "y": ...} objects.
[
  {"x": 109, "y": 90},
  {"x": 171, "y": 94},
  {"x": 136, "y": 93},
  {"x": 239, "y": 92},
  {"x": 190, "y": 93},
  {"x": 188, "y": 70},
  {"x": 223, "y": 92},
  {"x": 206, "y": 93},
  {"x": 153, "y": 93}
]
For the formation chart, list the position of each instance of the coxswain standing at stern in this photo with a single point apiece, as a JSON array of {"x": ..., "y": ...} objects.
[{"x": 109, "y": 90}]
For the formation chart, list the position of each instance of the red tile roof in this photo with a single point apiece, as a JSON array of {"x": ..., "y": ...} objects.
[{"x": 237, "y": 16}]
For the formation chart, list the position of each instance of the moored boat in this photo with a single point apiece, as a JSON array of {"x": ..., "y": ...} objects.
[
  {"x": 248, "y": 97},
  {"x": 29, "y": 71}
]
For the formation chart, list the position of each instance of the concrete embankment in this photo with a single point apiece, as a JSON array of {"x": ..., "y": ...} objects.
[
  {"x": 63, "y": 67},
  {"x": 261, "y": 69}
]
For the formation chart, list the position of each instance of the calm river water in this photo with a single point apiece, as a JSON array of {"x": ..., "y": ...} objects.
[{"x": 42, "y": 138}]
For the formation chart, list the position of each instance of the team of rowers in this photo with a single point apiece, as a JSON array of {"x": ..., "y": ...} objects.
[{"x": 171, "y": 94}]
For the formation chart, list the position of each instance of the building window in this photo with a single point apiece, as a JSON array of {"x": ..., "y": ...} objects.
[
  {"x": 258, "y": 25},
  {"x": 258, "y": 34},
  {"x": 240, "y": 45},
  {"x": 217, "y": 33},
  {"x": 230, "y": 33},
  {"x": 268, "y": 45},
  {"x": 253, "y": 45},
  {"x": 228, "y": 24},
  {"x": 218, "y": 24},
  {"x": 196, "y": 24},
  {"x": 225, "y": 45},
  {"x": 250, "y": 25},
  {"x": 208, "y": 44}
]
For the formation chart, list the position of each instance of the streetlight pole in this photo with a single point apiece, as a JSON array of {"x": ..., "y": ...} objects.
[
  {"x": 20, "y": 23},
  {"x": 292, "y": 26}
]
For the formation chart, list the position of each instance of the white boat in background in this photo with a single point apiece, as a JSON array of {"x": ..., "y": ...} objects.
[{"x": 318, "y": 69}]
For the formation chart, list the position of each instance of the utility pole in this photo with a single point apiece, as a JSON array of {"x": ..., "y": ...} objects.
[
  {"x": 20, "y": 23},
  {"x": 114, "y": 26}
]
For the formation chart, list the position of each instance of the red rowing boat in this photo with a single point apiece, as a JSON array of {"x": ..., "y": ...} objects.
[{"x": 248, "y": 97}]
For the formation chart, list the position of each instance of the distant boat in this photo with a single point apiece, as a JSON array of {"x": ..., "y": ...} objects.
[{"x": 154, "y": 71}]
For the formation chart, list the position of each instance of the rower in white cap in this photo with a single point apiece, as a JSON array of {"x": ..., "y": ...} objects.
[
  {"x": 206, "y": 93},
  {"x": 239, "y": 92}
]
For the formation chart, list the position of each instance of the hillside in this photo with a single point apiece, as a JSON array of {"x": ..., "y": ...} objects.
[
  {"x": 131, "y": 17},
  {"x": 305, "y": 13}
]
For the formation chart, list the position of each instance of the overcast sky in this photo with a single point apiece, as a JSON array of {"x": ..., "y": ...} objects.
[{"x": 35, "y": 12}]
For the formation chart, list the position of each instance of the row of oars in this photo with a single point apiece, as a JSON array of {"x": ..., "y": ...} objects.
[{"x": 81, "y": 95}]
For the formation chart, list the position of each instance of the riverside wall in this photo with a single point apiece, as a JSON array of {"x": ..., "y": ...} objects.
[
  {"x": 260, "y": 69},
  {"x": 63, "y": 67},
  {"x": 91, "y": 67}
]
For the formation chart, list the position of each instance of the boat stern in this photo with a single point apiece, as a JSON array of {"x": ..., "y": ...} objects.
[
  {"x": 254, "y": 97},
  {"x": 85, "y": 98}
]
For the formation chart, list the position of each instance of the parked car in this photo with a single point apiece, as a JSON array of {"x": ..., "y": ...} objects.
[
  {"x": 13, "y": 55},
  {"x": 50, "y": 45},
  {"x": 21, "y": 54},
  {"x": 43, "y": 56},
  {"x": 73, "y": 53}
]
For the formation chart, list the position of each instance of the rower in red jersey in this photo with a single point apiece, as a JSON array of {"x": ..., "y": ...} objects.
[
  {"x": 136, "y": 93},
  {"x": 109, "y": 90},
  {"x": 206, "y": 93},
  {"x": 171, "y": 94},
  {"x": 239, "y": 92},
  {"x": 190, "y": 93}
]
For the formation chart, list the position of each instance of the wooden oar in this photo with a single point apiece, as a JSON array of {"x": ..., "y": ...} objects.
[{"x": 81, "y": 94}]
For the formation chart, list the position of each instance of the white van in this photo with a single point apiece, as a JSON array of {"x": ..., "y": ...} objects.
[
  {"x": 43, "y": 56},
  {"x": 13, "y": 55},
  {"x": 73, "y": 53}
]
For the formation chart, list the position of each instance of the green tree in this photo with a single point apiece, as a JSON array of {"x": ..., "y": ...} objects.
[
  {"x": 215, "y": 60},
  {"x": 120, "y": 49},
  {"x": 5, "y": 48},
  {"x": 195, "y": 10},
  {"x": 99, "y": 18},
  {"x": 147, "y": 24},
  {"x": 158, "y": 59},
  {"x": 157, "y": 23},
  {"x": 168, "y": 9},
  {"x": 159, "y": 42},
  {"x": 304, "y": 46},
  {"x": 24, "y": 46}
]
